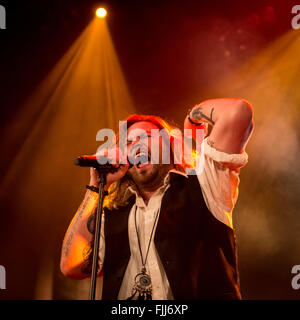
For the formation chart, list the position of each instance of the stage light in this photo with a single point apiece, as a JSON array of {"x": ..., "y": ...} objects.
[{"x": 101, "y": 13}]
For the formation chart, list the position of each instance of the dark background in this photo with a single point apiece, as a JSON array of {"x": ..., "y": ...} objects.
[
  {"x": 171, "y": 53},
  {"x": 168, "y": 49}
]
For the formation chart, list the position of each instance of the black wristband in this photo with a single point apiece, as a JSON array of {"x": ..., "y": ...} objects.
[{"x": 92, "y": 188}]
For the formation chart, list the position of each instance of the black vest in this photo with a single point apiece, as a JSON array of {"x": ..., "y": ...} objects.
[{"x": 198, "y": 251}]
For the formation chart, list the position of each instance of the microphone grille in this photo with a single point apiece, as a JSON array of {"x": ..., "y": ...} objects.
[{"x": 77, "y": 161}]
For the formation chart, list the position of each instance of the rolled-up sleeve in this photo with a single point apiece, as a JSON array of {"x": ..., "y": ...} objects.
[{"x": 219, "y": 181}]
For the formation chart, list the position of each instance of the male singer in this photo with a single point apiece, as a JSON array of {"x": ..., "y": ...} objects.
[{"x": 166, "y": 234}]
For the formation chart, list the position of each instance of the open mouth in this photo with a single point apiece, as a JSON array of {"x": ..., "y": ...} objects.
[{"x": 142, "y": 159}]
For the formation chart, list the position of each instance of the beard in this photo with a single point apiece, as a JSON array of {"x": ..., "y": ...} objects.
[{"x": 146, "y": 176}]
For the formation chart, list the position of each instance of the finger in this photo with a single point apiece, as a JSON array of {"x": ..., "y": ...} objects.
[{"x": 102, "y": 152}]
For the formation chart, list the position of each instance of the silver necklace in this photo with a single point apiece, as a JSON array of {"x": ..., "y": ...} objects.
[{"x": 143, "y": 285}]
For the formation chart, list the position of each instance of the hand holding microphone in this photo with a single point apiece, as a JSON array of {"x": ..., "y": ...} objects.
[{"x": 111, "y": 161}]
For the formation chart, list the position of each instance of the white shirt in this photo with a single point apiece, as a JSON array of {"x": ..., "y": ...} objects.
[{"x": 219, "y": 182}]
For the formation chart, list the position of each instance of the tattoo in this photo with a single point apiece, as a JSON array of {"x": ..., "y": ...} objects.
[
  {"x": 87, "y": 251},
  {"x": 68, "y": 241},
  {"x": 91, "y": 223},
  {"x": 87, "y": 267},
  {"x": 81, "y": 209},
  {"x": 198, "y": 114},
  {"x": 67, "y": 244},
  {"x": 87, "y": 255},
  {"x": 210, "y": 143}
]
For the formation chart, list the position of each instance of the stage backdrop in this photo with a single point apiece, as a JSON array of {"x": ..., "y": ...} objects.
[{"x": 65, "y": 75}]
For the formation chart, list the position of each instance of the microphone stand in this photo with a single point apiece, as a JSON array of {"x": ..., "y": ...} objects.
[{"x": 103, "y": 170}]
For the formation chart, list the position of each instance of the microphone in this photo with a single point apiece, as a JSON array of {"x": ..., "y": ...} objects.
[
  {"x": 91, "y": 161},
  {"x": 100, "y": 163},
  {"x": 103, "y": 163}
]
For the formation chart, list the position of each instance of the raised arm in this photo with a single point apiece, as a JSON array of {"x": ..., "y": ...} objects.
[{"x": 231, "y": 121}]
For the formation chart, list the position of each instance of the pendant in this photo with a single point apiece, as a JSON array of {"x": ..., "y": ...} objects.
[{"x": 142, "y": 286}]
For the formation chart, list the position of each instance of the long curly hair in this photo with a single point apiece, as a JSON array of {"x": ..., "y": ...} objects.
[{"x": 117, "y": 191}]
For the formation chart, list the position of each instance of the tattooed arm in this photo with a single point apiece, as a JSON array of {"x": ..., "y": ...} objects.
[
  {"x": 231, "y": 121},
  {"x": 77, "y": 251}
]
